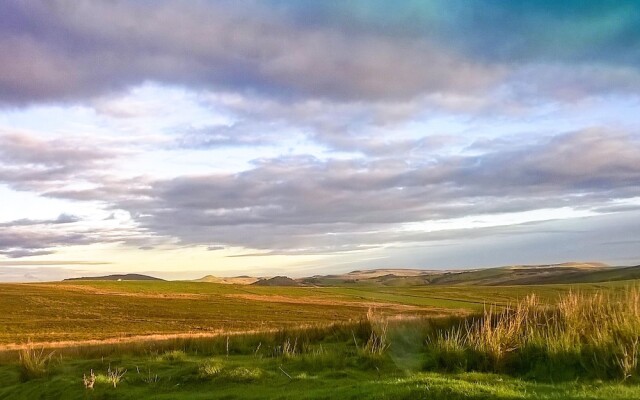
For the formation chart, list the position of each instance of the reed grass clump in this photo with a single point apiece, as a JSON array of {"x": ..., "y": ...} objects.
[
  {"x": 596, "y": 334},
  {"x": 34, "y": 363},
  {"x": 378, "y": 340}
]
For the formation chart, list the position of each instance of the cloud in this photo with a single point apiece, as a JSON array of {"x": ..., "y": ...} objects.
[
  {"x": 28, "y": 161},
  {"x": 571, "y": 31},
  {"x": 61, "y": 50},
  {"x": 242, "y": 133},
  {"x": 582, "y": 239},
  {"x": 25, "y": 271},
  {"x": 569, "y": 82},
  {"x": 368, "y": 118},
  {"x": 62, "y": 219},
  {"x": 22, "y": 148},
  {"x": 21, "y": 241},
  {"x": 371, "y": 129},
  {"x": 50, "y": 262},
  {"x": 303, "y": 204},
  {"x": 359, "y": 51},
  {"x": 19, "y": 253},
  {"x": 29, "y": 238}
]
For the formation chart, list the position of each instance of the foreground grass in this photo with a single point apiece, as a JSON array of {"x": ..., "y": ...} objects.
[
  {"x": 583, "y": 335},
  {"x": 375, "y": 358},
  {"x": 554, "y": 344},
  {"x": 250, "y": 377}
]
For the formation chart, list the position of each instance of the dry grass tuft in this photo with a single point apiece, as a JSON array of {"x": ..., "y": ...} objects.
[
  {"x": 34, "y": 363},
  {"x": 598, "y": 332},
  {"x": 378, "y": 341}
]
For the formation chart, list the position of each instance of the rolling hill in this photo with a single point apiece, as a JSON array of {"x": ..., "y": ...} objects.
[
  {"x": 277, "y": 281},
  {"x": 117, "y": 277},
  {"x": 572, "y": 272},
  {"x": 236, "y": 280},
  {"x": 564, "y": 273}
]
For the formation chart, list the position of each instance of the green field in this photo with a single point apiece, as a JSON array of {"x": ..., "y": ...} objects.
[
  {"x": 272, "y": 342},
  {"x": 101, "y": 310}
]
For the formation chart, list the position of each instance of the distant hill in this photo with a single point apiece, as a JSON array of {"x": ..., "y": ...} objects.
[
  {"x": 521, "y": 274},
  {"x": 571, "y": 272},
  {"x": 385, "y": 277},
  {"x": 236, "y": 280},
  {"x": 563, "y": 273},
  {"x": 124, "y": 277},
  {"x": 277, "y": 281},
  {"x": 607, "y": 275}
]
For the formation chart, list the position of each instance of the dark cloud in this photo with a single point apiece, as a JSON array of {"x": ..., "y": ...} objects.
[
  {"x": 515, "y": 31},
  {"x": 66, "y": 50},
  {"x": 19, "y": 253},
  {"x": 29, "y": 162},
  {"x": 28, "y": 237},
  {"x": 215, "y": 248},
  {"x": 19, "y": 241},
  {"x": 366, "y": 51},
  {"x": 62, "y": 219}
]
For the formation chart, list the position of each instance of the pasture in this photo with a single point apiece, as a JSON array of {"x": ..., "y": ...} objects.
[
  {"x": 172, "y": 340},
  {"x": 92, "y": 310}
]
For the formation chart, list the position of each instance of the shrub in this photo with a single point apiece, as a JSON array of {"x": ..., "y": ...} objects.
[
  {"x": 174, "y": 355},
  {"x": 243, "y": 374},
  {"x": 210, "y": 368}
]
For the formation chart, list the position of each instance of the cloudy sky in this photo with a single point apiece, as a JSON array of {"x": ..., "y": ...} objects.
[{"x": 179, "y": 138}]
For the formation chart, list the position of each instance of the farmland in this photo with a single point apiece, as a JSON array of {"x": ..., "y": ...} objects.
[
  {"x": 88, "y": 310},
  {"x": 195, "y": 340}
]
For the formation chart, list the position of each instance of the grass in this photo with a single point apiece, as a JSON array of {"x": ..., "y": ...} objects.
[
  {"x": 595, "y": 335},
  {"x": 418, "y": 342},
  {"x": 34, "y": 363},
  {"x": 339, "y": 371},
  {"x": 104, "y": 310}
]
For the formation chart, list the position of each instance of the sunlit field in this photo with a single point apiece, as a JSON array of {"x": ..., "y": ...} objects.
[{"x": 113, "y": 340}]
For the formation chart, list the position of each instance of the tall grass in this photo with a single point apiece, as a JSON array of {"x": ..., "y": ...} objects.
[
  {"x": 378, "y": 341},
  {"x": 34, "y": 363},
  {"x": 594, "y": 335}
]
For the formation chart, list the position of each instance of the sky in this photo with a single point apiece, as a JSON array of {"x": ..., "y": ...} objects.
[{"x": 184, "y": 138}]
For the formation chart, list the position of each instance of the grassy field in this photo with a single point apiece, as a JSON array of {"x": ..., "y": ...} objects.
[
  {"x": 103, "y": 310},
  {"x": 331, "y": 342}
]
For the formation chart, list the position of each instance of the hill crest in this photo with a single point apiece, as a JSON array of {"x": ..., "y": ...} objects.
[{"x": 117, "y": 277}]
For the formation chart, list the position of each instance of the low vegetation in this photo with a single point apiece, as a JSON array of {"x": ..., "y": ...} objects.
[
  {"x": 555, "y": 342},
  {"x": 595, "y": 335},
  {"x": 35, "y": 362}
]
